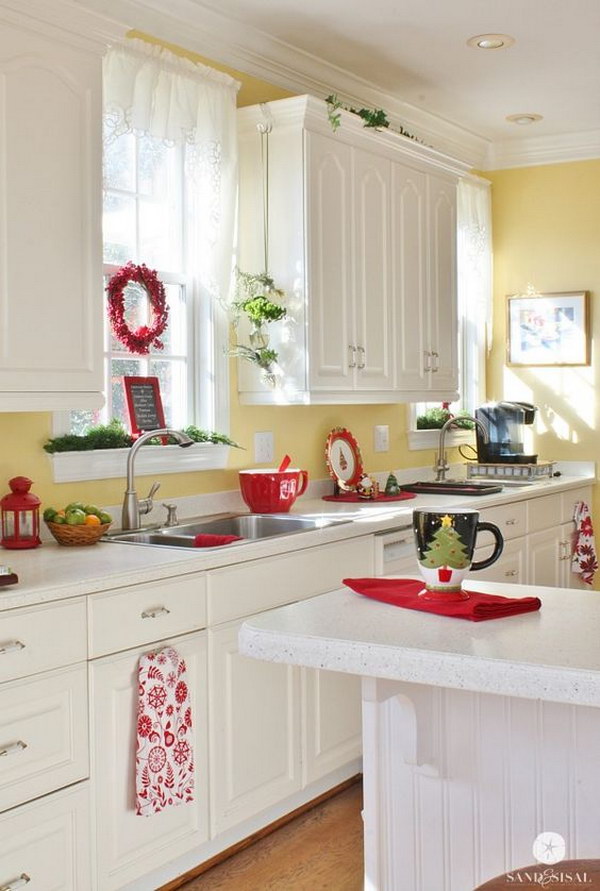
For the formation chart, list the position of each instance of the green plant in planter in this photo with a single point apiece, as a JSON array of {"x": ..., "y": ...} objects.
[
  {"x": 435, "y": 418},
  {"x": 254, "y": 295},
  {"x": 260, "y": 310},
  {"x": 114, "y": 436}
]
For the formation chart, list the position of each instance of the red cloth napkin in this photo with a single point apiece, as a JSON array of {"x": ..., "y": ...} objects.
[
  {"x": 478, "y": 608},
  {"x": 164, "y": 759},
  {"x": 352, "y": 496},
  {"x": 207, "y": 540}
]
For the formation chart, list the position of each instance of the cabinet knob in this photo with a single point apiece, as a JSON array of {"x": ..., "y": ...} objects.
[
  {"x": 23, "y": 880},
  {"x": 352, "y": 351},
  {"x": 156, "y": 612},
  {"x": 10, "y": 647}
]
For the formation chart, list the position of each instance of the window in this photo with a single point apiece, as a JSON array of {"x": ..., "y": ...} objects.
[{"x": 474, "y": 292}]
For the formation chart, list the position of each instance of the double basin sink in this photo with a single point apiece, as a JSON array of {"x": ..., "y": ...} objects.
[{"x": 249, "y": 527}]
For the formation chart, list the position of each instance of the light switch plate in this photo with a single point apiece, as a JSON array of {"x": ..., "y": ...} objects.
[
  {"x": 381, "y": 438},
  {"x": 264, "y": 448}
]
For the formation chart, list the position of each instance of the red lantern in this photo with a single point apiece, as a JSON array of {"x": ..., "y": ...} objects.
[{"x": 20, "y": 515}]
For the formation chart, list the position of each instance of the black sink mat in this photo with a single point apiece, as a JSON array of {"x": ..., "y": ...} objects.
[{"x": 449, "y": 489}]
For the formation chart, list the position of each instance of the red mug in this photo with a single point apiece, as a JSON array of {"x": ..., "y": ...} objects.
[{"x": 272, "y": 491}]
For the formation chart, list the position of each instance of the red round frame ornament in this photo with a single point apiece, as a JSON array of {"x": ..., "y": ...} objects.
[
  {"x": 145, "y": 336},
  {"x": 343, "y": 458}
]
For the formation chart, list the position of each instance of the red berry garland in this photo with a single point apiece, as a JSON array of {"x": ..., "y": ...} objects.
[{"x": 143, "y": 338}]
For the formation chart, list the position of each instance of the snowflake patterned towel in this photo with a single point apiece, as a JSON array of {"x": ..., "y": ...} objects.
[
  {"x": 584, "y": 562},
  {"x": 164, "y": 761}
]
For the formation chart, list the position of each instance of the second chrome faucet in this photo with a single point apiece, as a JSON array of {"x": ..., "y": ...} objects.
[{"x": 441, "y": 465}]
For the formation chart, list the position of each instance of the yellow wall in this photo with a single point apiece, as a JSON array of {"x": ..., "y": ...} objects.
[
  {"x": 546, "y": 222},
  {"x": 299, "y": 430}
]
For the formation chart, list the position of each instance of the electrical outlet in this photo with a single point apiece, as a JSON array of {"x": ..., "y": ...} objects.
[
  {"x": 264, "y": 448},
  {"x": 381, "y": 438}
]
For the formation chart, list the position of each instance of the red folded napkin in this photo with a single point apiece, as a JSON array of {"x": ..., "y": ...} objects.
[
  {"x": 207, "y": 540},
  {"x": 478, "y": 608}
]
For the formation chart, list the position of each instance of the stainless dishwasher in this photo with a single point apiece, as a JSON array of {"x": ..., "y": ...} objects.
[{"x": 395, "y": 553}]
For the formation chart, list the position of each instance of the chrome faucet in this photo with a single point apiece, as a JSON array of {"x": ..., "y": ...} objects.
[
  {"x": 134, "y": 507},
  {"x": 441, "y": 465}
]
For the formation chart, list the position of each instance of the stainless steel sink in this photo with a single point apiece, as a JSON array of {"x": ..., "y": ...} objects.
[{"x": 250, "y": 527}]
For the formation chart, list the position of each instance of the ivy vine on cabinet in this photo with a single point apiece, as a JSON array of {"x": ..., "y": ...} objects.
[{"x": 362, "y": 238}]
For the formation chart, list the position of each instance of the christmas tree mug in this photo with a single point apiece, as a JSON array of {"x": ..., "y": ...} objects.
[{"x": 445, "y": 542}]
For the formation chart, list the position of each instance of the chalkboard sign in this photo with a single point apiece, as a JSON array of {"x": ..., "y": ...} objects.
[{"x": 144, "y": 405}]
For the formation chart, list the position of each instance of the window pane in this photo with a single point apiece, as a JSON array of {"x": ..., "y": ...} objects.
[
  {"x": 174, "y": 338},
  {"x": 118, "y": 229},
  {"x": 119, "y": 368},
  {"x": 172, "y": 376},
  {"x": 81, "y": 421},
  {"x": 136, "y": 312},
  {"x": 159, "y": 185},
  {"x": 119, "y": 163}
]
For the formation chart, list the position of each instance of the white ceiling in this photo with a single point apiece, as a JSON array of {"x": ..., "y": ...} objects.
[
  {"x": 416, "y": 49},
  {"x": 411, "y": 58}
]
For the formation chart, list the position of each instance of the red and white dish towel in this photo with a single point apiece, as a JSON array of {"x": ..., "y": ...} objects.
[
  {"x": 584, "y": 561},
  {"x": 164, "y": 760}
]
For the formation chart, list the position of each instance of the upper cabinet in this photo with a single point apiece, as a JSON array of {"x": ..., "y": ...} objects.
[
  {"x": 362, "y": 238},
  {"x": 50, "y": 219}
]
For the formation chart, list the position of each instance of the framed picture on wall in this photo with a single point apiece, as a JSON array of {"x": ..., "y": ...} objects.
[{"x": 549, "y": 329}]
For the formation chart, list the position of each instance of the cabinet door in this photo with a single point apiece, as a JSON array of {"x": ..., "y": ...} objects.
[
  {"x": 50, "y": 224},
  {"x": 510, "y": 567},
  {"x": 443, "y": 324},
  {"x": 408, "y": 260},
  {"x": 255, "y": 731},
  {"x": 372, "y": 274},
  {"x": 129, "y": 846},
  {"x": 568, "y": 579},
  {"x": 544, "y": 566},
  {"x": 332, "y": 722},
  {"x": 329, "y": 262}
]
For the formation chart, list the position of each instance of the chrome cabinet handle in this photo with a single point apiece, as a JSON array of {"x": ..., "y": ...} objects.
[
  {"x": 511, "y": 523},
  {"x": 352, "y": 351},
  {"x": 156, "y": 612},
  {"x": 510, "y": 573},
  {"x": 10, "y": 647},
  {"x": 23, "y": 880},
  {"x": 435, "y": 365},
  {"x": 363, "y": 357},
  {"x": 427, "y": 363},
  {"x": 13, "y": 748},
  {"x": 563, "y": 550}
]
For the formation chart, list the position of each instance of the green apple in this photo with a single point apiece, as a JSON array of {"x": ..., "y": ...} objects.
[{"x": 75, "y": 517}]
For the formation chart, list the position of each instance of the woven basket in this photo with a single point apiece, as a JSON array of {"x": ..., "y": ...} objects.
[{"x": 77, "y": 536}]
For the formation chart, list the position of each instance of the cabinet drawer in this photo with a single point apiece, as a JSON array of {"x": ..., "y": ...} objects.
[
  {"x": 263, "y": 584},
  {"x": 48, "y": 841},
  {"x": 130, "y": 617},
  {"x": 569, "y": 499},
  {"x": 511, "y": 567},
  {"x": 43, "y": 734},
  {"x": 33, "y": 639},
  {"x": 511, "y": 519},
  {"x": 544, "y": 512}
]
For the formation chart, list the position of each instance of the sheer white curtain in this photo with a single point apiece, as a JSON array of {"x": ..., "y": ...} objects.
[
  {"x": 148, "y": 90},
  {"x": 474, "y": 268}
]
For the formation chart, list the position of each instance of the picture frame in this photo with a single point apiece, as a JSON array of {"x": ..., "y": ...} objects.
[
  {"x": 144, "y": 404},
  {"x": 550, "y": 329}
]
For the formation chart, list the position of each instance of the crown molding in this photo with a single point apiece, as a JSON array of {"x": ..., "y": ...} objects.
[
  {"x": 211, "y": 34},
  {"x": 64, "y": 19},
  {"x": 536, "y": 150}
]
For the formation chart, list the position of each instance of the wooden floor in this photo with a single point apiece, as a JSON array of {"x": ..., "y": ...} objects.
[{"x": 322, "y": 850}]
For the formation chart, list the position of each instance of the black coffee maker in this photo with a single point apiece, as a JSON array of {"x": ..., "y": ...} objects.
[{"x": 504, "y": 422}]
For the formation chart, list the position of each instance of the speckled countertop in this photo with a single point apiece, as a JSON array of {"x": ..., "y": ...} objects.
[
  {"x": 553, "y": 654},
  {"x": 52, "y": 572}
]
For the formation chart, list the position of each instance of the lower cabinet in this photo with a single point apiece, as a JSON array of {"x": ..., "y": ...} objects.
[
  {"x": 511, "y": 566},
  {"x": 45, "y": 844},
  {"x": 129, "y": 846},
  {"x": 332, "y": 722},
  {"x": 255, "y": 731}
]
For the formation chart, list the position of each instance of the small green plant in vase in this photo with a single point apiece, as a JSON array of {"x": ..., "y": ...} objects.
[{"x": 255, "y": 298}]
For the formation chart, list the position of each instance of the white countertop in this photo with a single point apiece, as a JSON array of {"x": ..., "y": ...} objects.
[
  {"x": 52, "y": 572},
  {"x": 553, "y": 654}
]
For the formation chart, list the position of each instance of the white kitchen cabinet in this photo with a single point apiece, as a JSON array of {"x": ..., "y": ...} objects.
[
  {"x": 363, "y": 240},
  {"x": 129, "y": 846},
  {"x": 255, "y": 731},
  {"x": 332, "y": 728},
  {"x": 50, "y": 220}
]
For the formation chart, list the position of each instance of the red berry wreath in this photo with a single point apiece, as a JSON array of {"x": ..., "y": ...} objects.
[{"x": 143, "y": 338}]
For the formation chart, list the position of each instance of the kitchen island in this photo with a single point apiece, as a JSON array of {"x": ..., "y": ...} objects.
[{"x": 477, "y": 736}]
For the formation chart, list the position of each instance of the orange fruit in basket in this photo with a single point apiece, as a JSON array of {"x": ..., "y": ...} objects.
[{"x": 92, "y": 520}]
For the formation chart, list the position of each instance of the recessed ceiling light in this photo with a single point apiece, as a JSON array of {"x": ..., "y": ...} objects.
[
  {"x": 523, "y": 120},
  {"x": 491, "y": 41}
]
